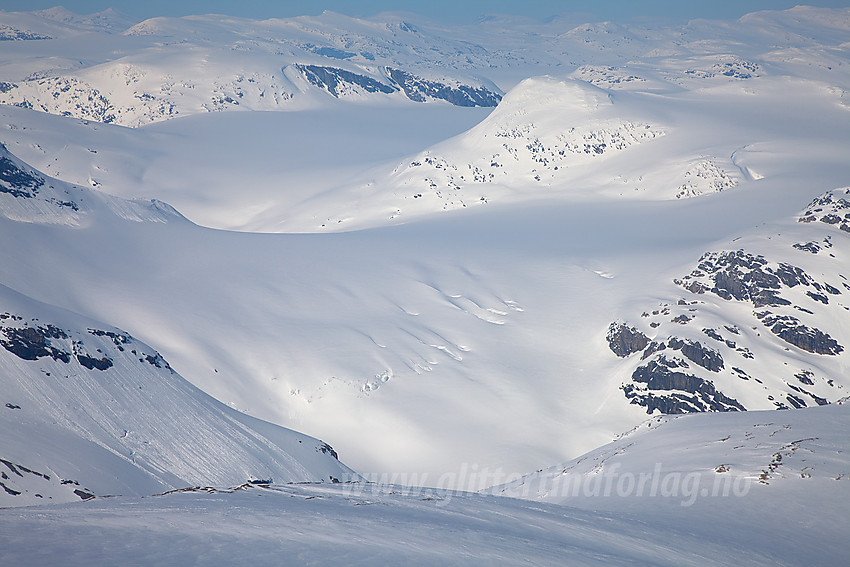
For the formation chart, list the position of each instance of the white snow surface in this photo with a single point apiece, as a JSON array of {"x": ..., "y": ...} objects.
[
  {"x": 427, "y": 287},
  {"x": 429, "y": 338},
  {"x": 436, "y": 290},
  {"x": 787, "y": 478}
]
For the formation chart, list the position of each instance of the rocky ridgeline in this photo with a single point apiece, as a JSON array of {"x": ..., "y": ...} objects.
[
  {"x": 755, "y": 333},
  {"x": 32, "y": 340},
  {"x": 341, "y": 83},
  {"x": 524, "y": 154}
]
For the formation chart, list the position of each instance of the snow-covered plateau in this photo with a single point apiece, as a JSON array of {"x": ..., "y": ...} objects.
[{"x": 614, "y": 254}]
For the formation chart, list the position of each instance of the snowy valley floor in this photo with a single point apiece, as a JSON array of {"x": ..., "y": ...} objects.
[{"x": 340, "y": 525}]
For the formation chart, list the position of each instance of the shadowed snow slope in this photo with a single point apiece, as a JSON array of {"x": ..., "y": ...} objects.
[{"x": 89, "y": 410}]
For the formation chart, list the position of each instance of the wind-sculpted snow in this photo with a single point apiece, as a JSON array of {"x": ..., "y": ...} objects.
[{"x": 746, "y": 351}]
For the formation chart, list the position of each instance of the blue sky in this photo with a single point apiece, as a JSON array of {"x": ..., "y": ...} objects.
[{"x": 445, "y": 10}]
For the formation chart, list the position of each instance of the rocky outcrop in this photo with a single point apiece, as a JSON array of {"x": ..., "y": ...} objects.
[
  {"x": 32, "y": 343},
  {"x": 32, "y": 340},
  {"x": 793, "y": 332},
  {"x": 22, "y": 182},
  {"x": 687, "y": 393},
  {"x": 339, "y": 82},
  {"x": 624, "y": 340},
  {"x": 15, "y": 181},
  {"x": 831, "y": 208}
]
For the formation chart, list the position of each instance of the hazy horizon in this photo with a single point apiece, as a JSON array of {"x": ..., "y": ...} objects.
[{"x": 439, "y": 10}]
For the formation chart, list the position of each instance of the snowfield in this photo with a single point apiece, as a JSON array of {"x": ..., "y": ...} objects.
[{"x": 456, "y": 261}]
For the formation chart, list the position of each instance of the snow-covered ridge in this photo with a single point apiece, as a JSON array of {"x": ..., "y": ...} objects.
[
  {"x": 27, "y": 195},
  {"x": 191, "y": 65},
  {"x": 702, "y": 457},
  {"x": 542, "y": 128}
]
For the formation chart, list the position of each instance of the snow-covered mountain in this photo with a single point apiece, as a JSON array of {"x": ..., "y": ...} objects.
[
  {"x": 649, "y": 152},
  {"x": 759, "y": 324},
  {"x": 456, "y": 253},
  {"x": 183, "y": 66}
]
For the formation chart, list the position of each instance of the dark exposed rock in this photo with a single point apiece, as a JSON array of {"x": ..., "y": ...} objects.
[
  {"x": 792, "y": 276},
  {"x": 83, "y": 494},
  {"x": 331, "y": 52},
  {"x": 328, "y": 450},
  {"x": 419, "y": 90},
  {"x": 118, "y": 339},
  {"x": 334, "y": 80},
  {"x": 16, "y": 181},
  {"x": 805, "y": 377},
  {"x": 652, "y": 348},
  {"x": 812, "y": 247},
  {"x": 692, "y": 394},
  {"x": 92, "y": 363},
  {"x": 11, "y": 466},
  {"x": 157, "y": 360},
  {"x": 818, "y": 297},
  {"x": 32, "y": 343},
  {"x": 712, "y": 334},
  {"x": 767, "y": 297},
  {"x": 792, "y": 331},
  {"x": 740, "y": 373},
  {"x": 624, "y": 340},
  {"x": 12, "y": 406},
  {"x": 706, "y": 357},
  {"x": 745, "y": 277},
  {"x": 819, "y": 400},
  {"x": 11, "y": 34},
  {"x": 9, "y": 491},
  {"x": 795, "y": 401}
]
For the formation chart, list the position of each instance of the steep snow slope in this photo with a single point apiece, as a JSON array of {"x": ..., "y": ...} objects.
[{"x": 89, "y": 410}]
